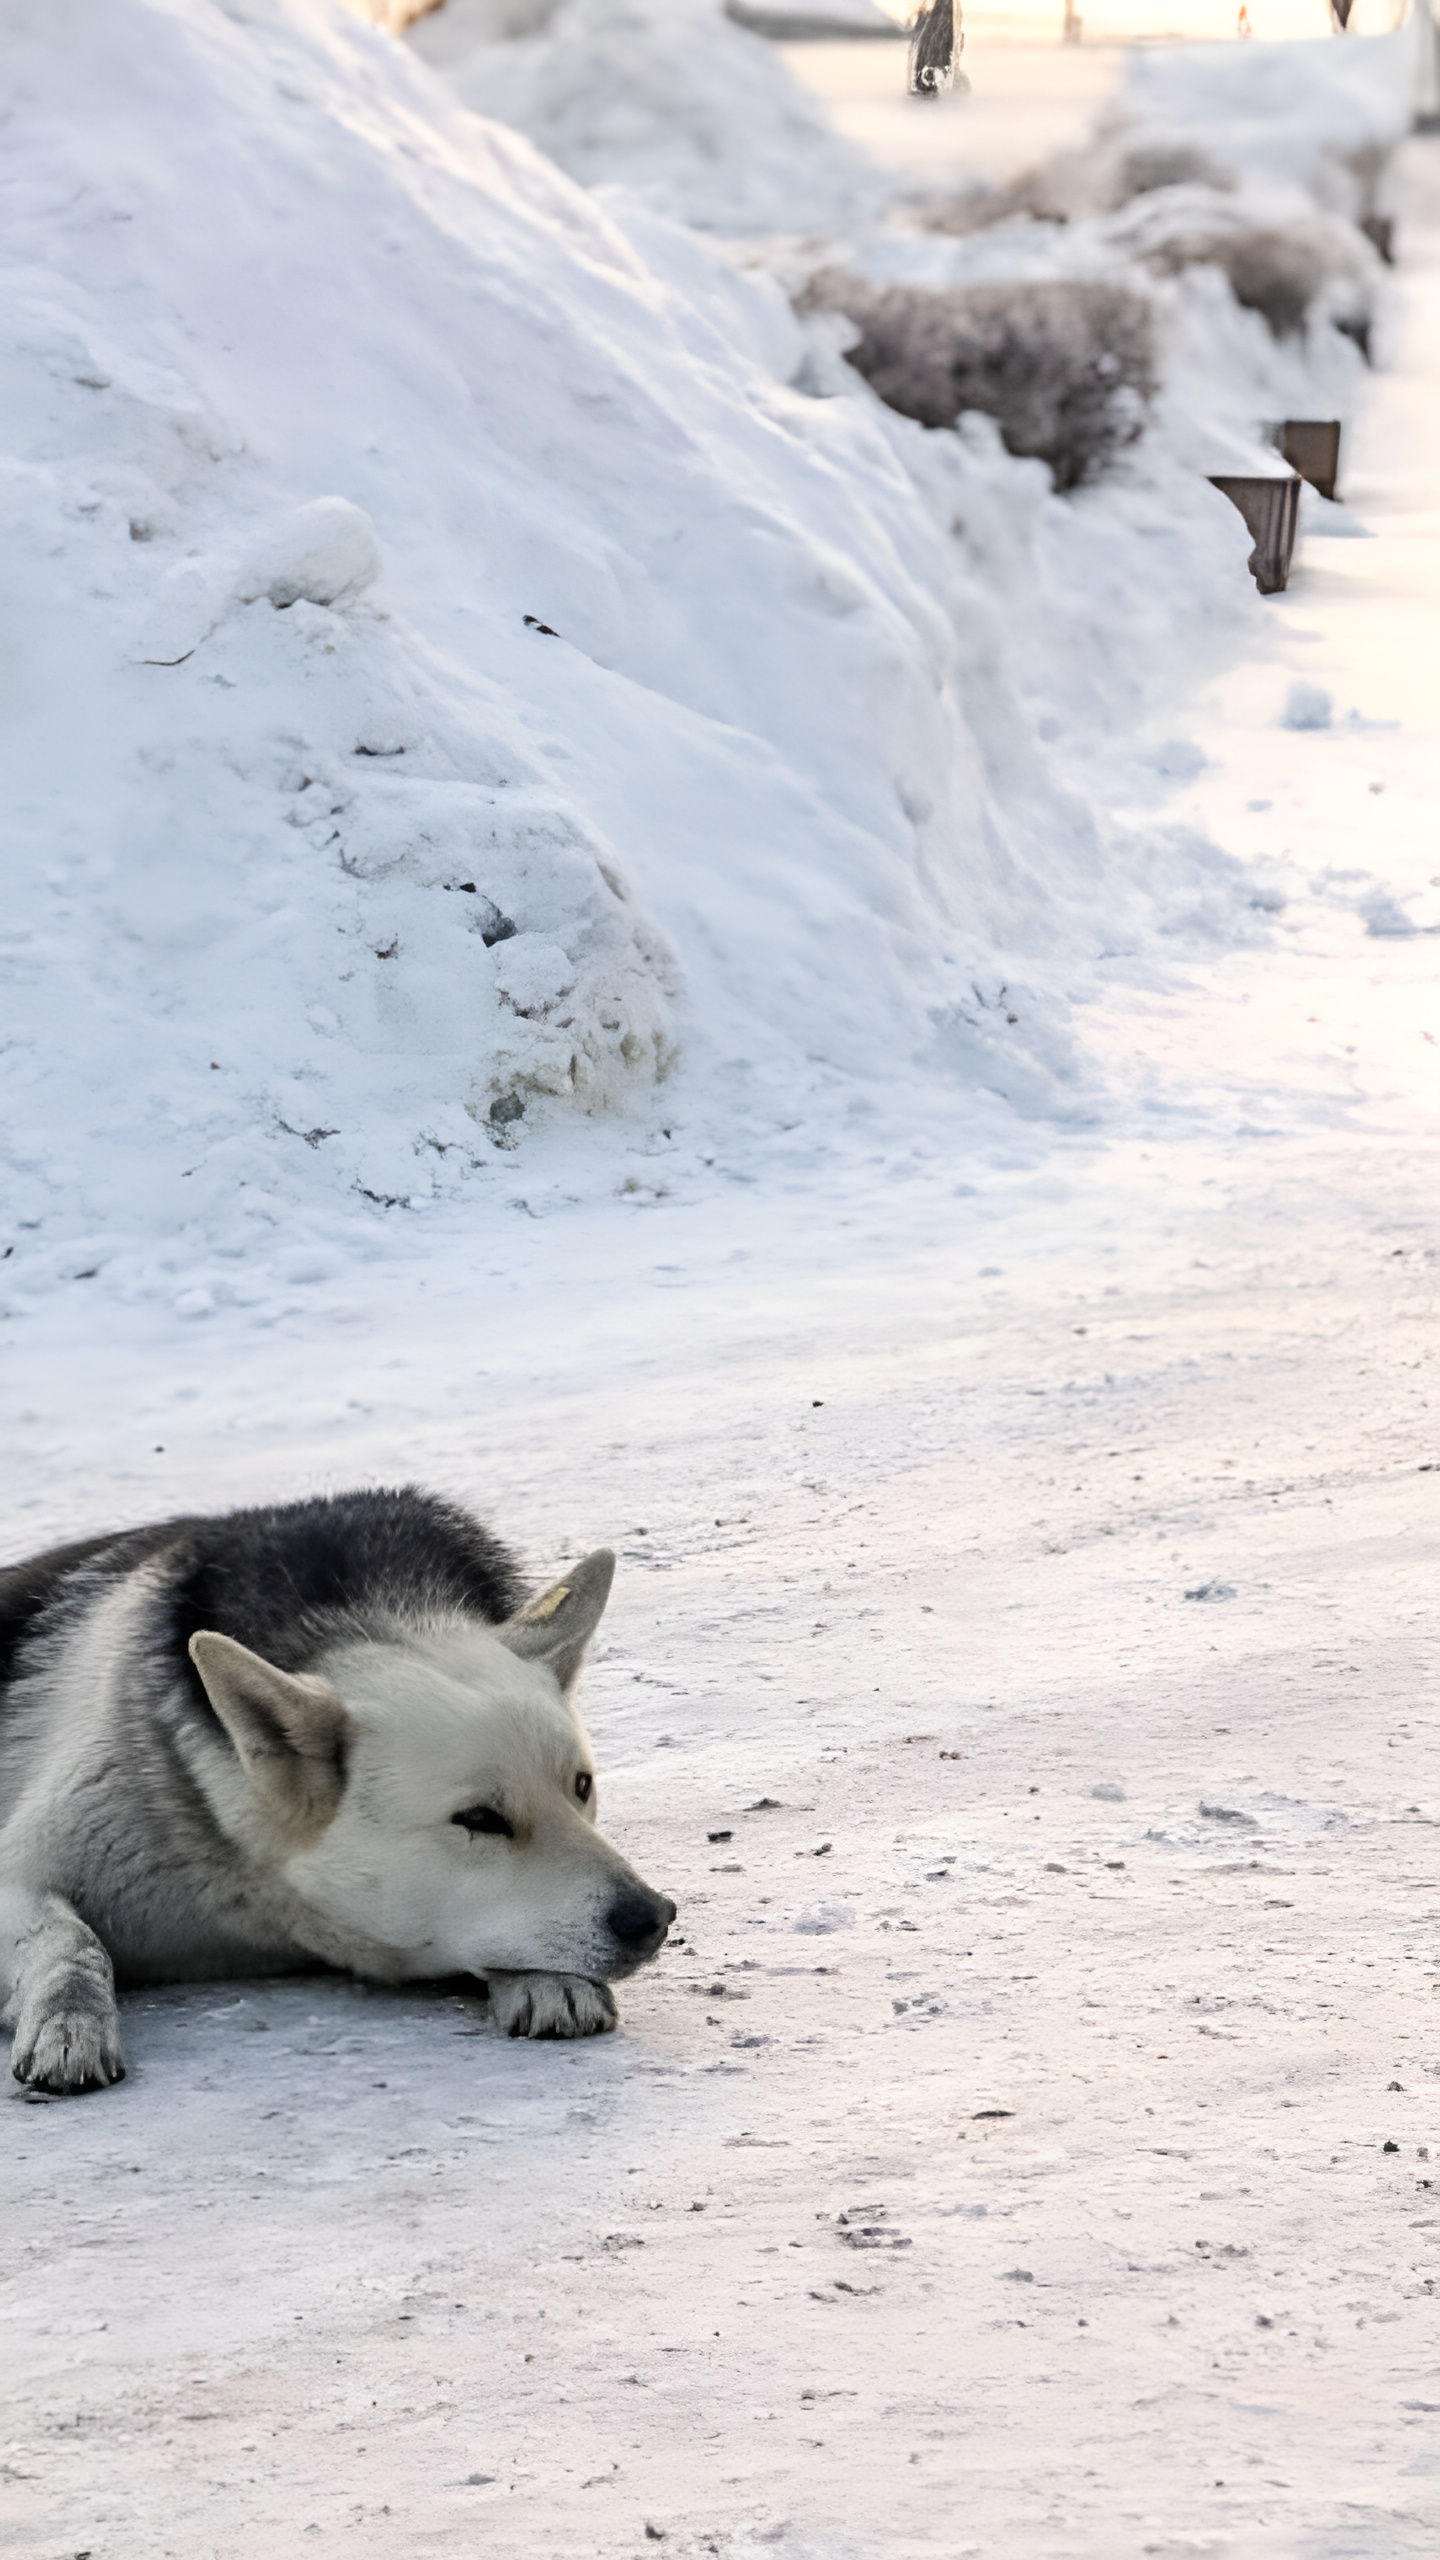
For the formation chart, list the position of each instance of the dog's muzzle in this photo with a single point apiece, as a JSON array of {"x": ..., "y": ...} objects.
[{"x": 639, "y": 1922}]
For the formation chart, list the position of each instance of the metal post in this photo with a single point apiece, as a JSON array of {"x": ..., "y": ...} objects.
[
  {"x": 934, "y": 46},
  {"x": 1427, "y": 85}
]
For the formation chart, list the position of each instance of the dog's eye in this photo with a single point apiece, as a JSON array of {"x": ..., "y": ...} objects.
[
  {"x": 583, "y": 1785},
  {"x": 483, "y": 1817}
]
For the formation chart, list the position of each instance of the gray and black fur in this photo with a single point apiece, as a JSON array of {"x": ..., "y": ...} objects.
[{"x": 282, "y": 1580}]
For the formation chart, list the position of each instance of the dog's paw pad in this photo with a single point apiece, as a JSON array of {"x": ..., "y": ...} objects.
[{"x": 68, "y": 2052}]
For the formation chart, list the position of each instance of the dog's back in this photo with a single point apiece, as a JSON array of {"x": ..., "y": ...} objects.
[
  {"x": 276, "y": 1579},
  {"x": 34, "y": 1594},
  {"x": 283, "y": 1581}
]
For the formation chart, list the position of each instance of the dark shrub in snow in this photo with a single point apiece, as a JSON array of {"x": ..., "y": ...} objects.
[
  {"x": 1283, "y": 274},
  {"x": 1075, "y": 184},
  {"x": 1146, "y": 167},
  {"x": 1290, "y": 272},
  {"x": 1066, "y": 369},
  {"x": 1277, "y": 273}
]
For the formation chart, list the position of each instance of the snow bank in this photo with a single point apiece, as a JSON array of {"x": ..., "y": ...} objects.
[
  {"x": 470, "y": 649},
  {"x": 696, "y": 114},
  {"x": 1322, "y": 116},
  {"x": 449, "y": 668},
  {"x": 1227, "y": 192},
  {"x": 1224, "y": 193},
  {"x": 1252, "y": 168},
  {"x": 1236, "y": 182}
]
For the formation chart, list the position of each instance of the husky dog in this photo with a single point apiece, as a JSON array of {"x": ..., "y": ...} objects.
[{"x": 327, "y": 1731}]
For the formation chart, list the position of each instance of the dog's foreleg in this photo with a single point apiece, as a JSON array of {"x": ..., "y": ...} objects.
[
  {"x": 550, "y": 2004},
  {"x": 61, "y": 1995}
]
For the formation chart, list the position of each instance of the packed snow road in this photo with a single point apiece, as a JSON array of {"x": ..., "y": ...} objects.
[{"x": 1021, "y": 1673}]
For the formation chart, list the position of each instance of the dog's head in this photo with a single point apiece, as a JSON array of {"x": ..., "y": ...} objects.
[{"x": 429, "y": 1795}]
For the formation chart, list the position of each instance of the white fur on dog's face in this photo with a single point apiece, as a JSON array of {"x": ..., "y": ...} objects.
[{"x": 454, "y": 1723}]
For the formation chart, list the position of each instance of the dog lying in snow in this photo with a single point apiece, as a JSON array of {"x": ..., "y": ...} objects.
[{"x": 324, "y": 1731}]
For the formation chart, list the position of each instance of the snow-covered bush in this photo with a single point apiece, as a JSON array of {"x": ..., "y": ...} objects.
[
  {"x": 1296, "y": 265},
  {"x": 1262, "y": 163},
  {"x": 1066, "y": 369},
  {"x": 1073, "y": 185}
]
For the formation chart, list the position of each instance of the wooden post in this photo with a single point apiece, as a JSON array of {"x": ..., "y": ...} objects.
[
  {"x": 1311, "y": 446},
  {"x": 1270, "y": 505}
]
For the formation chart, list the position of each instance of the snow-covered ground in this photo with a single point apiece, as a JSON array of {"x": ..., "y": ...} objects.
[
  {"x": 1020, "y": 102},
  {"x": 1079, "y": 2226}
]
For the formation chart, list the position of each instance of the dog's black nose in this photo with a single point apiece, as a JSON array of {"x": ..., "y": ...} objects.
[{"x": 640, "y": 1919}]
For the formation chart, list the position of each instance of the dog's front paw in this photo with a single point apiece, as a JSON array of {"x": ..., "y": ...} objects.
[
  {"x": 68, "y": 2050},
  {"x": 550, "y": 2004}
]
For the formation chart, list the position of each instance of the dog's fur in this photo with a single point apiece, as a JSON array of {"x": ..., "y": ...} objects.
[{"x": 324, "y": 1732}]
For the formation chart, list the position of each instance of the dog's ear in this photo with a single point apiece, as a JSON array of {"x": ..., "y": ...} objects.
[
  {"x": 556, "y": 1628},
  {"x": 288, "y": 1730}
]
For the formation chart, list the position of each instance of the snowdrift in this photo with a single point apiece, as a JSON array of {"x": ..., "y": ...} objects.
[
  {"x": 448, "y": 667},
  {"x": 475, "y": 659},
  {"x": 1251, "y": 169},
  {"x": 1235, "y": 189},
  {"x": 697, "y": 115},
  {"x": 1218, "y": 216}
]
